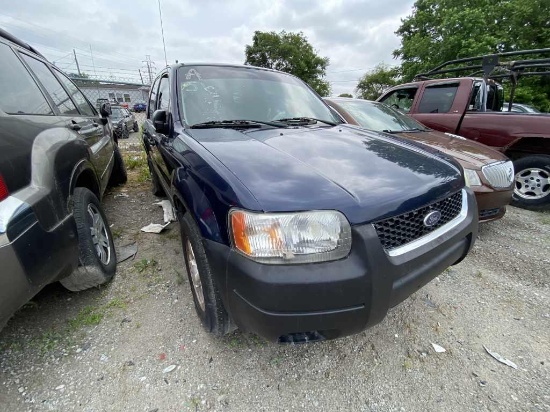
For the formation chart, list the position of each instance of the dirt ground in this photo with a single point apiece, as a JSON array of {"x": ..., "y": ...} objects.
[{"x": 137, "y": 345}]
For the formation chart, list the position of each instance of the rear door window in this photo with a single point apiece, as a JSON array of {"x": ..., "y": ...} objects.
[
  {"x": 52, "y": 86},
  {"x": 19, "y": 92},
  {"x": 83, "y": 105},
  {"x": 401, "y": 99},
  {"x": 438, "y": 99}
]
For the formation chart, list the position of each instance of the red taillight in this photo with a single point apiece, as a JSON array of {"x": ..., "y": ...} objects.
[{"x": 3, "y": 189}]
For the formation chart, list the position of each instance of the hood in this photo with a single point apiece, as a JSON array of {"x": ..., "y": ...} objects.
[
  {"x": 470, "y": 154},
  {"x": 366, "y": 175}
]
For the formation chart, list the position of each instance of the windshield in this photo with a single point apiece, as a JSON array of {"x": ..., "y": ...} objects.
[
  {"x": 118, "y": 113},
  {"x": 378, "y": 116},
  {"x": 215, "y": 93}
]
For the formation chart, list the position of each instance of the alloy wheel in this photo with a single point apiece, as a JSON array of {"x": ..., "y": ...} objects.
[
  {"x": 194, "y": 275},
  {"x": 100, "y": 237},
  {"x": 532, "y": 183}
]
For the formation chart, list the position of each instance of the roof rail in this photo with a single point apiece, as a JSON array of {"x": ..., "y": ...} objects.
[
  {"x": 13, "y": 39},
  {"x": 487, "y": 64}
]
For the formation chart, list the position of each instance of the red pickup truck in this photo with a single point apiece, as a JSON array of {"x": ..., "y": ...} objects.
[{"x": 472, "y": 107}]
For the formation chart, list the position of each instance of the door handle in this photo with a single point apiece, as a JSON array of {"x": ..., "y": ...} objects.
[{"x": 75, "y": 126}]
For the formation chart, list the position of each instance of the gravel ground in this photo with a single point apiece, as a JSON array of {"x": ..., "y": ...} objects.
[{"x": 137, "y": 345}]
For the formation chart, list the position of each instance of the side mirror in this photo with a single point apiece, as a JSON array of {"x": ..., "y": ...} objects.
[
  {"x": 105, "y": 110},
  {"x": 160, "y": 121}
]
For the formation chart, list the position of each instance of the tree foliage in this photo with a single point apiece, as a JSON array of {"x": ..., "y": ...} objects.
[
  {"x": 376, "y": 81},
  {"x": 441, "y": 30},
  {"x": 290, "y": 53},
  {"x": 345, "y": 95}
]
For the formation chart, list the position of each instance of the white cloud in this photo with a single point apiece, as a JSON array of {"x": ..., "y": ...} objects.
[{"x": 354, "y": 34}]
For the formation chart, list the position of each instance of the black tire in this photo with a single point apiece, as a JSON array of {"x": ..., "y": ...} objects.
[
  {"x": 532, "y": 182},
  {"x": 97, "y": 264},
  {"x": 213, "y": 316},
  {"x": 156, "y": 187},
  {"x": 119, "y": 176},
  {"x": 136, "y": 127},
  {"x": 125, "y": 133}
]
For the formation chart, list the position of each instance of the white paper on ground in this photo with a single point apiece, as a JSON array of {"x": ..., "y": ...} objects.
[
  {"x": 168, "y": 211},
  {"x": 438, "y": 349},
  {"x": 154, "y": 228},
  {"x": 500, "y": 358}
]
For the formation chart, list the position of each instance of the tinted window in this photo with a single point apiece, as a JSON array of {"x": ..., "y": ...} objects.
[
  {"x": 152, "y": 99},
  {"x": 401, "y": 99},
  {"x": 19, "y": 93},
  {"x": 52, "y": 86},
  {"x": 81, "y": 101},
  {"x": 164, "y": 94},
  {"x": 437, "y": 99}
]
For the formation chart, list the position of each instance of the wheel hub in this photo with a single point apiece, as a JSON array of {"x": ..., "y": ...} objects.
[
  {"x": 532, "y": 183},
  {"x": 100, "y": 237},
  {"x": 194, "y": 274}
]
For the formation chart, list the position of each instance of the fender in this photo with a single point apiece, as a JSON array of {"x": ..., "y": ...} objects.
[{"x": 188, "y": 192}]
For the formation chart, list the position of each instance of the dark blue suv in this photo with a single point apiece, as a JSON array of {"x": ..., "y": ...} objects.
[{"x": 295, "y": 226}]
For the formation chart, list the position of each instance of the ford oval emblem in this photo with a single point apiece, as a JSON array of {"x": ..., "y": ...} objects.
[{"x": 432, "y": 218}]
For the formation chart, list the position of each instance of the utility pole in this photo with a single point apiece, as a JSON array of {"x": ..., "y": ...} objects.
[
  {"x": 77, "y": 66},
  {"x": 150, "y": 65},
  {"x": 140, "y": 76}
]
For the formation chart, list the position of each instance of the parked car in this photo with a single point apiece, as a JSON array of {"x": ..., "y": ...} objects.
[
  {"x": 58, "y": 156},
  {"x": 123, "y": 121},
  {"x": 488, "y": 172},
  {"x": 520, "y": 108},
  {"x": 294, "y": 226},
  {"x": 473, "y": 107},
  {"x": 140, "y": 107}
]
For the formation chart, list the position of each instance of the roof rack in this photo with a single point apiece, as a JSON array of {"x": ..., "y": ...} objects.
[
  {"x": 13, "y": 39},
  {"x": 487, "y": 64}
]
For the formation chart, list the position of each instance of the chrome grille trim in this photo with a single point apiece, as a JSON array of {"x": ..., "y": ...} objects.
[
  {"x": 421, "y": 241},
  {"x": 500, "y": 174}
]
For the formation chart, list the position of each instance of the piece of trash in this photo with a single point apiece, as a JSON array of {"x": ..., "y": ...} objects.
[
  {"x": 501, "y": 359},
  {"x": 482, "y": 383},
  {"x": 162, "y": 356},
  {"x": 438, "y": 349},
  {"x": 168, "y": 211},
  {"x": 104, "y": 358},
  {"x": 126, "y": 252},
  {"x": 169, "y": 369},
  {"x": 154, "y": 228},
  {"x": 60, "y": 387},
  {"x": 429, "y": 302},
  {"x": 122, "y": 194}
]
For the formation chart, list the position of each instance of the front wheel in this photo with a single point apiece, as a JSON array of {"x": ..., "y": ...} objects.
[
  {"x": 532, "y": 183},
  {"x": 206, "y": 295},
  {"x": 125, "y": 133},
  {"x": 95, "y": 242},
  {"x": 136, "y": 127}
]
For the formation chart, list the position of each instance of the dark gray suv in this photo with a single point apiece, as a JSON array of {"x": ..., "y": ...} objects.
[{"x": 57, "y": 156}]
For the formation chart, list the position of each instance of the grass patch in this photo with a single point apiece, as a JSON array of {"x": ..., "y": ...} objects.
[
  {"x": 89, "y": 316},
  {"x": 143, "y": 174},
  {"x": 135, "y": 161},
  {"x": 145, "y": 264}
]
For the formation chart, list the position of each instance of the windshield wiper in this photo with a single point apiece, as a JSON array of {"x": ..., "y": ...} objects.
[
  {"x": 246, "y": 124},
  {"x": 305, "y": 120},
  {"x": 414, "y": 129}
]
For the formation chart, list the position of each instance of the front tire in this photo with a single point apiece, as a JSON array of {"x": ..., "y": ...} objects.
[
  {"x": 97, "y": 251},
  {"x": 532, "y": 183},
  {"x": 125, "y": 133},
  {"x": 206, "y": 295},
  {"x": 136, "y": 127}
]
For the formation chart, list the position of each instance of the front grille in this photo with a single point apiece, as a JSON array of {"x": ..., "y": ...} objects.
[
  {"x": 499, "y": 175},
  {"x": 487, "y": 213},
  {"x": 400, "y": 230}
]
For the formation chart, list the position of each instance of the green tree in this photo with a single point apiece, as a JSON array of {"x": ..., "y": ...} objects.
[
  {"x": 441, "y": 30},
  {"x": 345, "y": 95},
  {"x": 290, "y": 53},
  {"x": 376, "y": 81}
]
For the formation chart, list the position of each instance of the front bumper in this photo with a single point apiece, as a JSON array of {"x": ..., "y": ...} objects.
[
  {"x": 492, "y": 203},
  {"x": 333, "y": 299}
]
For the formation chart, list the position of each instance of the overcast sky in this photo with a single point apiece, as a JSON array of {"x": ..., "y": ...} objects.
[{"x": 355, "y": 34}]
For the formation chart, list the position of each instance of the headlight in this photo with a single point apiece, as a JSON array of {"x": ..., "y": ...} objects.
[
  {"x": 471, "y": 177},
  {"x": 288, "y": 238}
]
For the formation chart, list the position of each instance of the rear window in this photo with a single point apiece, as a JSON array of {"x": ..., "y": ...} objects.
[
  {"x": 438, "y": 99},
  {"x": 20, "y": 94}
]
